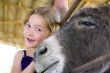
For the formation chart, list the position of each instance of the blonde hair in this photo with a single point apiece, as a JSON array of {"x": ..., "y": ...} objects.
[{"x": 50, "y": 16}]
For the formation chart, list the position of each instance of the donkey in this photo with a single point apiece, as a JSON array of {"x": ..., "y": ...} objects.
[{"x": 82, "y": 39}]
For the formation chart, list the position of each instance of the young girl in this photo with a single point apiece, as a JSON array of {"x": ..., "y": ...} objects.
[{"x": 39, "y": 24}]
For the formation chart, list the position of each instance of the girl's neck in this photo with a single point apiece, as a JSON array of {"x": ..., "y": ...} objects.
[{"x": 30, "y": 52}]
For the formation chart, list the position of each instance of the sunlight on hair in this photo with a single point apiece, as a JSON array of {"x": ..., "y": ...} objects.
[{"x": 7, "y": 53}]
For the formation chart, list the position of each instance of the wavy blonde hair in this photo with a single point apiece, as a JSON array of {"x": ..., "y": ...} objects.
[{"x": 50, "y": 16}]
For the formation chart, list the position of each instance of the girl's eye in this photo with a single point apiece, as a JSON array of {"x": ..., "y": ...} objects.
[
  {"x": 28, "y": 25},
  {"x": 38, "y": 29}
]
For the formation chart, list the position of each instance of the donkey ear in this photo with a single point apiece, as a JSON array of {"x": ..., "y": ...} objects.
[{"x": 61, "y": 6}]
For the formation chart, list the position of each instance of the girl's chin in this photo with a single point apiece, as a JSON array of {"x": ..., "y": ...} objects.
[{"x": 30, "y": 45}]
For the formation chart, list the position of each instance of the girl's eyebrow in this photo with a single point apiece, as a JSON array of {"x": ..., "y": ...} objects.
[{"x": 38, "y": 26}]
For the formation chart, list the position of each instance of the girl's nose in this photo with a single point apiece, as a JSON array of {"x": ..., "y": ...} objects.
[{"x": 30, "y": 32}]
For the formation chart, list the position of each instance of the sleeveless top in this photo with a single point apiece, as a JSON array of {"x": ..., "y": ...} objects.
[{"x": 26, "y": 60}]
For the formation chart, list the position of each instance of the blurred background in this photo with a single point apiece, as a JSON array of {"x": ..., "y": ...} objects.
[{"x": 12, "y": 14}]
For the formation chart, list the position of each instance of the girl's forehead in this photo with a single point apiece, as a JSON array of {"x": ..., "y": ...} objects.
[{"x": 37, "y": 20}]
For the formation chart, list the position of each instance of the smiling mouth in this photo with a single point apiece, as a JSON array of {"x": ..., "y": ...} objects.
[
  {"x": 30, "y": 39},
  {"x": 50, "y": 67}
]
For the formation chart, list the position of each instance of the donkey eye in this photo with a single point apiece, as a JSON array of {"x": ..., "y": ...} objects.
[{"x": 86, "y": 23}]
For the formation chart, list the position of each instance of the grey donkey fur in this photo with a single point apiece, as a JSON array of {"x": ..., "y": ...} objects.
[{"x": 83, "y": 38}]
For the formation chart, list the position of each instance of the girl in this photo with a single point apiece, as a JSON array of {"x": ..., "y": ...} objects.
[{"x": 39, "y": 24}]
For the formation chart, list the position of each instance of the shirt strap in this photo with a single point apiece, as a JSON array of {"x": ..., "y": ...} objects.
[{"x": 24, "y": 52}]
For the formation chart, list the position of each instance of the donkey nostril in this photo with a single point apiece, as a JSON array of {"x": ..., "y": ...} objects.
[{"x": 43, "y": 51}]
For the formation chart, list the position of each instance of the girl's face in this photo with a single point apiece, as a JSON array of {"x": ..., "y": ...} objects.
[{"x": 35, "y": 31}]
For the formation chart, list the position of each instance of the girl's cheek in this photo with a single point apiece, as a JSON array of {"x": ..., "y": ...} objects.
[{"x": 24, "y": 32}]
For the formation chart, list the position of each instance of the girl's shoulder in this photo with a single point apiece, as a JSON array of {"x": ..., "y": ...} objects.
[
  {"x": 17, "y": 61},
  {"x": 19, "y": 54}
]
